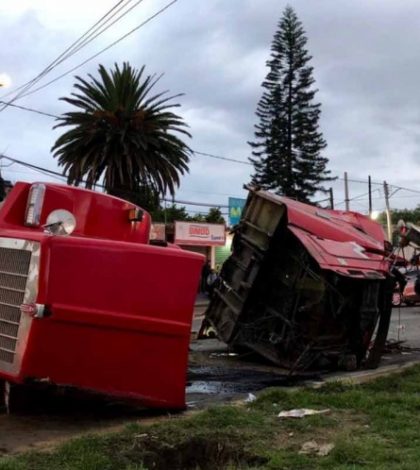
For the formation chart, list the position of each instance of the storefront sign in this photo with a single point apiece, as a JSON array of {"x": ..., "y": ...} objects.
[{"x": 190, "y": 233}]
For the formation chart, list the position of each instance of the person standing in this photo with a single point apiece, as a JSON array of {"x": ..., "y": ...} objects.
[
  {"x": 211, "y": 281},
  {"x": 204, "y": 275}
]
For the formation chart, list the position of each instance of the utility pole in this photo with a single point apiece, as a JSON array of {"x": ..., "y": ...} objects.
[
  {"x": 346, "y": 191},
  {"x": 370, "y": 195},
  {"x": 388, "y": 212},
  {"x": 331, "y": 198}
]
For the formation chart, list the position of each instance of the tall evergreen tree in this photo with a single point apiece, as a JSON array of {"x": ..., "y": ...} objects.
[{"x": 288, "y": 144}]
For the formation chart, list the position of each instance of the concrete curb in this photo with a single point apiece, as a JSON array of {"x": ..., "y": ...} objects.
[{"x": 364, "y": 376}]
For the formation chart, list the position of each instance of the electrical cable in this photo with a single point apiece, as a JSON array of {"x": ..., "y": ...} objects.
[
  {"x": 92, "y": 36},
  {"x": 103, "y": 50},
  {"x": 68, "y": 49},
  {"x": 85, "y": 39},
  {"x": 24, "y": 108},
  {"x": 234, "y": 160},
  {"x": 56, "y": 173},
  {"x": 222, "y": 158}
]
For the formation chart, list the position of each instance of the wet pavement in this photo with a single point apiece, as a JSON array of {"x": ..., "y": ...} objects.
[
  {"x": 405, "y": 326},
  {"x": 216, "y": 375}
]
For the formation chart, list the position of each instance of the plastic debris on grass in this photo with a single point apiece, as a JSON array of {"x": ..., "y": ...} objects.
[{"x": 301, "y": 413}]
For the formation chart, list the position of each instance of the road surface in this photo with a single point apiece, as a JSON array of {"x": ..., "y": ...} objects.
[{"x": 405, "y": 326}]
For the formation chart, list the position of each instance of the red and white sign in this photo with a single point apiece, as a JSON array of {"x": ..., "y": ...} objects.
[{"x": 191, "y": 233}]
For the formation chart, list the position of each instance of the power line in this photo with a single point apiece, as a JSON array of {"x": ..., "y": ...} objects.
[
  {"x": 85, "y": 39},
  {"x": 356, "y": 198},
  {"x": 55, "y": 173},
  {"x": 67, "y": 50},
  {"x": 104, "y": 49},
  {"x": 24, "y": 108},
  {"x": 230, "y": 159}
]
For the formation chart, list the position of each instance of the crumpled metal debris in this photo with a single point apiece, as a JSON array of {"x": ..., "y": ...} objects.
[{"x": 301, "y": 413}]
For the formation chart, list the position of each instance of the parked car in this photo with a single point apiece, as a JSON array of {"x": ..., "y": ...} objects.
[{"x": 408, "y": 296}]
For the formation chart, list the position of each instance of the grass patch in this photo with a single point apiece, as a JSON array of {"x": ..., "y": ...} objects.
[{"x": 372, "y": 426}]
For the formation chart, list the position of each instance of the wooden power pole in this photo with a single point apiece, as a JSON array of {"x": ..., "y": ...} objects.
[{"x": 331, "y": 198}]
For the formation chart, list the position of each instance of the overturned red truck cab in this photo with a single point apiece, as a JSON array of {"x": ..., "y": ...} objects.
[
  {"x": 101, "y": 309},
  {"x": 305, "y": 287}
]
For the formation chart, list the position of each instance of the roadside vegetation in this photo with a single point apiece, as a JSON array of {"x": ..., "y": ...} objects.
[{"x": 371, "y": 426}]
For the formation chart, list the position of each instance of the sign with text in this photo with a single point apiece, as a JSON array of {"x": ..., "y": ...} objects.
[
  {"x": 235, "y": 210},
  {"x": 192, "y": 233}
]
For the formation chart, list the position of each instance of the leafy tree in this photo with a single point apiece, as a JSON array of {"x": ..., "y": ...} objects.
[
  {"x": 198, "y": 218},
  {"x": 143, "y": 196},
  {"x": 288, "y": 144},
  {"x": 170, "y": 214},
  {"x": 408, "y": 215},
  {"x": 123, "y": 133},
  {"x": 173, "y": 212},
  {"x": 215, "y": 216}
]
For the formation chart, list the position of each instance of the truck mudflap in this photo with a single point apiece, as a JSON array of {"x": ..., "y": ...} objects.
[{"x": 304, "y": 287}]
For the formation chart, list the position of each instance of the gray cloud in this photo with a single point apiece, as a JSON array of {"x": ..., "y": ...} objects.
[{"x": 366, "y": 64}]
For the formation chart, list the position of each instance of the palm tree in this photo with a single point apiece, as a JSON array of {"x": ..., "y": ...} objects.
[{"x": 123, "y": 134}]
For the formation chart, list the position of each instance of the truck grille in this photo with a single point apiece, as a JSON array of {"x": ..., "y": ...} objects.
[{"x": 14, "y": 269}]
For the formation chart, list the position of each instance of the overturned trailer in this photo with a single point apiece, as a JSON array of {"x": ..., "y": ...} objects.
[{"x": 304, "y": 287}]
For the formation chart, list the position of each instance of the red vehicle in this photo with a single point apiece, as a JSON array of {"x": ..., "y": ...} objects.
[
  {"x": 304, "y": 287},
  {"x": 408, "y": 296},
  {"x": 100, "y": 309}
]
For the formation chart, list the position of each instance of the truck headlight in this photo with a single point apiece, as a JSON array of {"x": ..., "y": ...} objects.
[{"x": 34, "y": 205}]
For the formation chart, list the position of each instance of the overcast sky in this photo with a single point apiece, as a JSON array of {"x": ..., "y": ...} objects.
[{"x": 366, "y": 58}]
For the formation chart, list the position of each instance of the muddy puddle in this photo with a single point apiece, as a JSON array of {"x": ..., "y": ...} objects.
[{"x": 209, "y": 384}]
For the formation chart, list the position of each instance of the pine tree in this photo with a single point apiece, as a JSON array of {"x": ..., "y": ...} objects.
[{"x": 287, "y": 148}]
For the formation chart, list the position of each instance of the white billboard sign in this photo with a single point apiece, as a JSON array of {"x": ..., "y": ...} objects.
[{"x": 195, "y": 233}]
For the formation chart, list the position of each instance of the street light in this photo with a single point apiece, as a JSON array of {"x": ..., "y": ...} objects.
[
  {"x": 374, "y": 215},
  {"x": 5, "y": 80}
]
